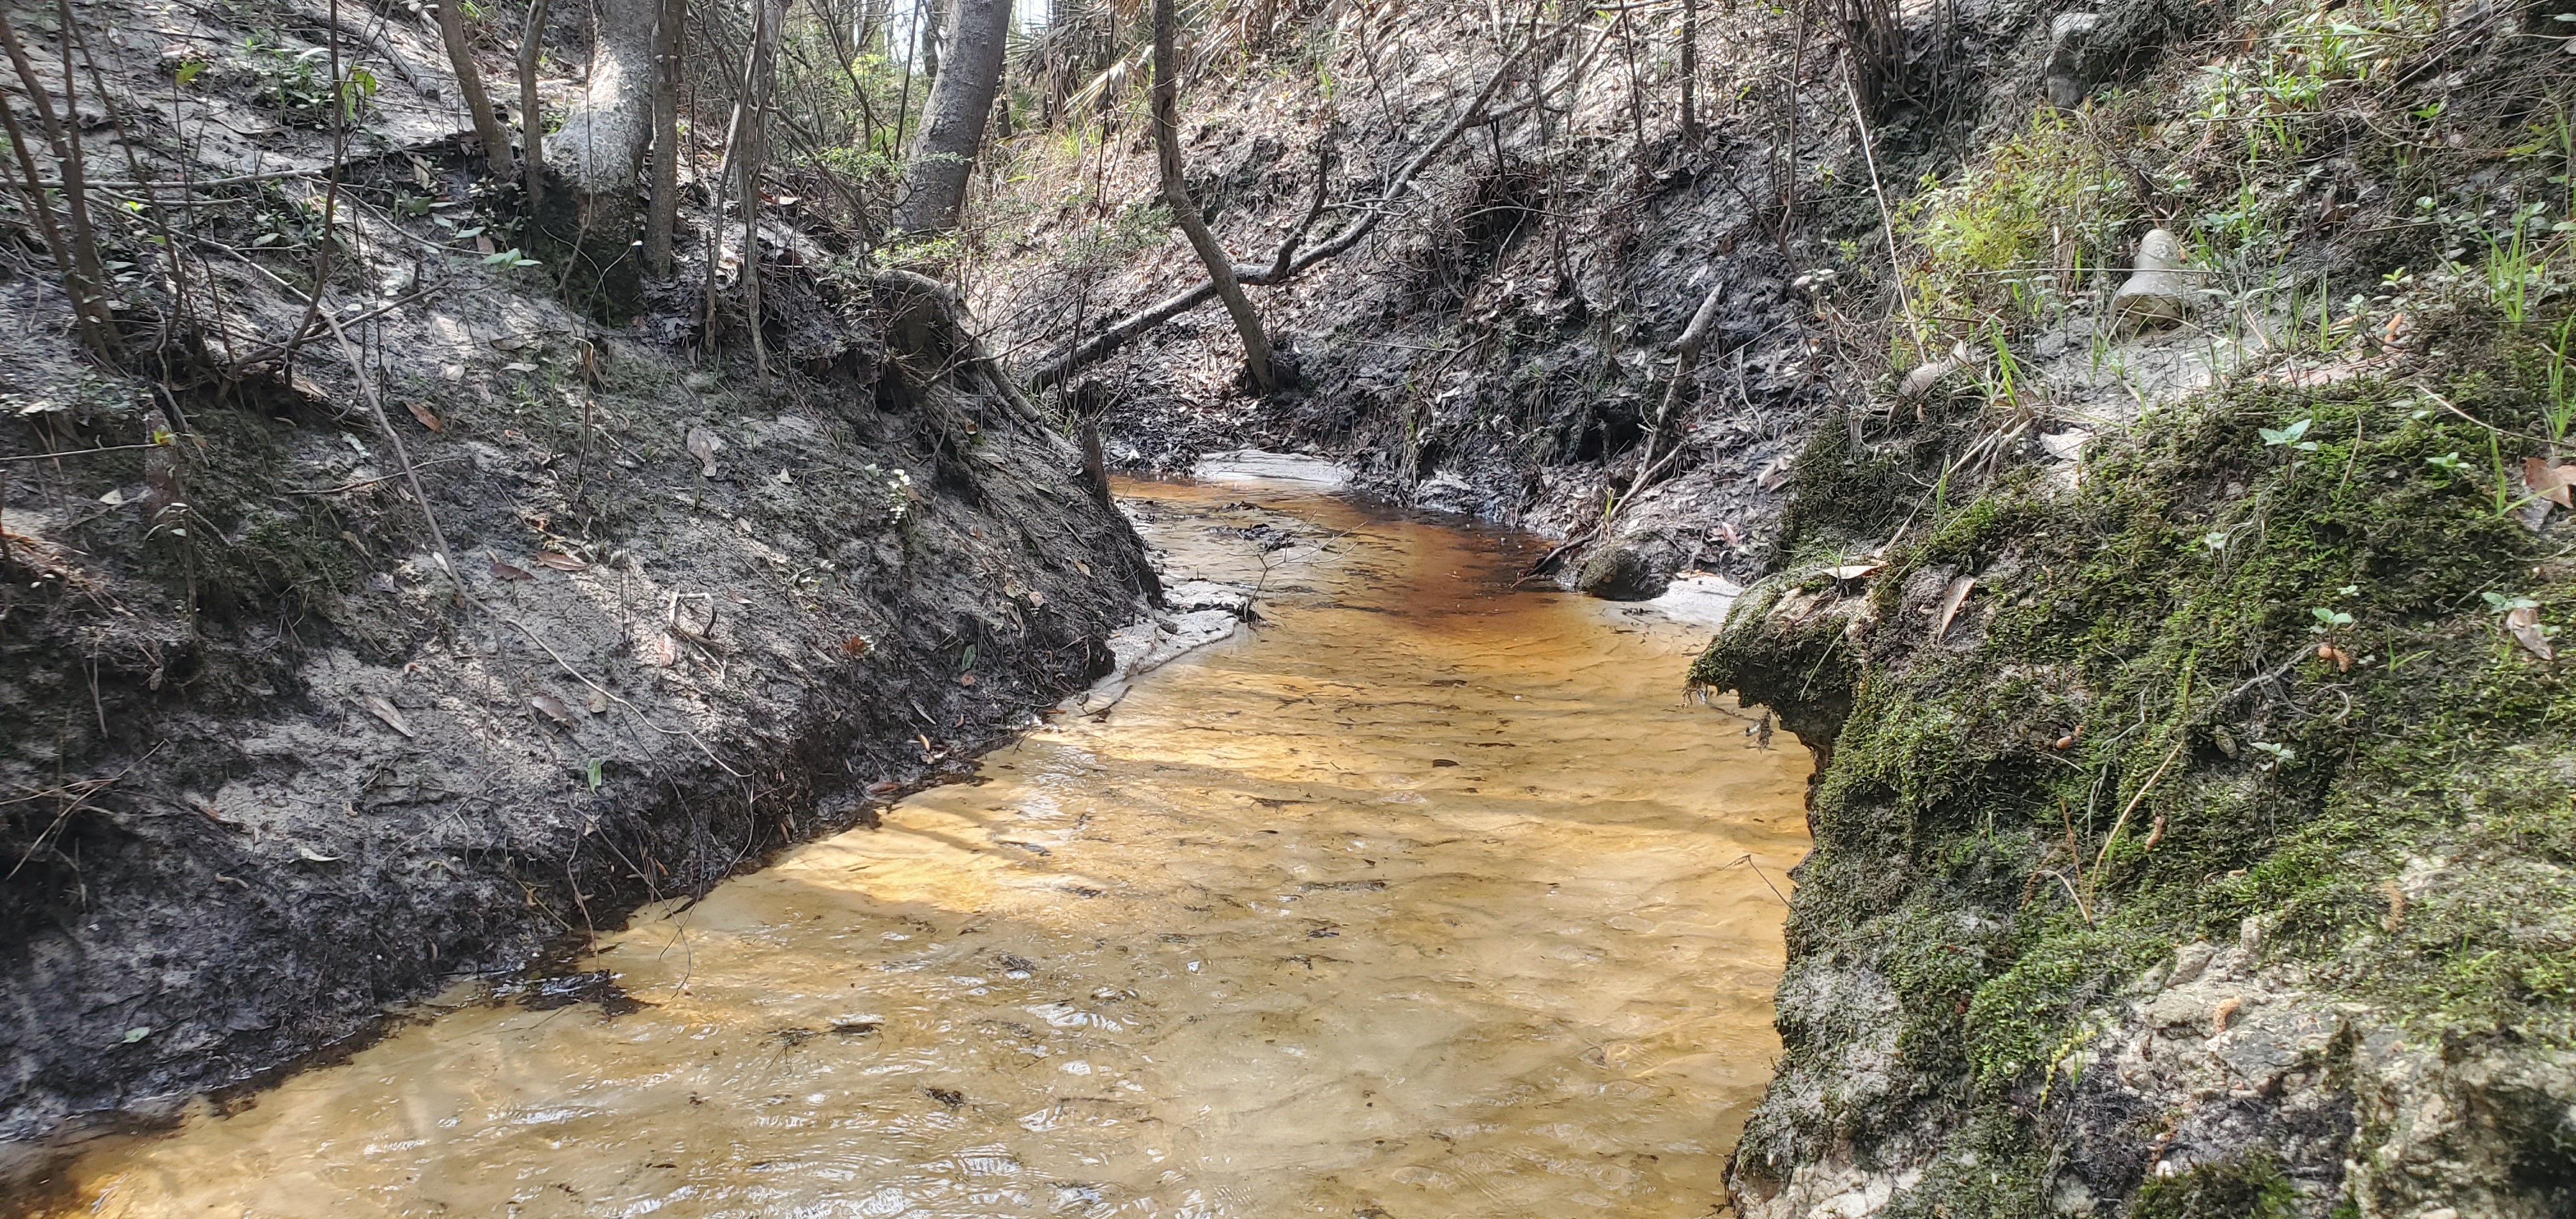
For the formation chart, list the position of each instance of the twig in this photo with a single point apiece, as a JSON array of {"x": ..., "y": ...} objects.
[
  {"x": 1747, "y": 861},
  {"x": 367, "y": 390},
  {"x": 1887, "y": 222},
  {"x": 2181, "y": 736},
  {"x": 113, "y": 448},
  {"x": 346, "y": 487}
]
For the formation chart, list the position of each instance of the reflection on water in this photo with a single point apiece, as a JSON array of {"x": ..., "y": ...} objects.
[{"x": 1414, "y": 902}]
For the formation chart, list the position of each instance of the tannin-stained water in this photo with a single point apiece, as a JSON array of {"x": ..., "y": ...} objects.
[{"x": 1425, "y": 898}]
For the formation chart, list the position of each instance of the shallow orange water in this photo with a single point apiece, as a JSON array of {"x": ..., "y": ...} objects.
[{"x": 1423, "y": 899}]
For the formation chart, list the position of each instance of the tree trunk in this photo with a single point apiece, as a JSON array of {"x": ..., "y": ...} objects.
[
  {"x": 532, "y": 127},
  {"x": 750, "y": 159},
  {"x": 953, "y": 118},
  {"x": 926, "y": 23},
  {"x": 593, "y": 214},
  {"x": 84, "y": 276},
  {"x": 1690, "y": 73},
  {"x": 469, "y": 82},
  {"x": 663, "y": 214},
  {"x": 1176, "y": 192}
]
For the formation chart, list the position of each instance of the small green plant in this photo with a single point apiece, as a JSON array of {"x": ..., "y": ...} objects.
[
  {"x": 300, "y": 82},
  {"x": 2498, "y": 603},
  {"x": 2505, "y": 500},
  {"x": 2516, "y": 266},
  {"x": 2291, "y": 440},
  {"x": 2561, "y": 406},
  {"x": 896, "y": 485}
]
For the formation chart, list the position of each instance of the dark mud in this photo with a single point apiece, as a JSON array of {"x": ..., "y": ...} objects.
[{"x": 265, "y": 774}]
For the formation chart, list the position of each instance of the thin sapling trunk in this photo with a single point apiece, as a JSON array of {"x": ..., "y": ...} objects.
[
  {"x": 469, "y": 82},
  {"x": 1176, "y": 193}
]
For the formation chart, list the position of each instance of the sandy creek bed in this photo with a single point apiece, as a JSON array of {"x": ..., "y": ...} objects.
[{"x": 1421, "y": 898}]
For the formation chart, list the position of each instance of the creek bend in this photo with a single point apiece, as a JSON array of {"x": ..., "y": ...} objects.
[{"x": 1422, "y": 898}]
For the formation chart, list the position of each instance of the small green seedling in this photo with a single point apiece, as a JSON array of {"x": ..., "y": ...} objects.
[
  {"x": 2498, "y": 603},
  {"x": 2279, "y": 755},
  {"x": 2290, "y": 437},
  {"x": 2328, "y": 621}
]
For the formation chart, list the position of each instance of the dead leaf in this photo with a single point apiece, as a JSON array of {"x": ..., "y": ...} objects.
[
  {"x": 857, "y": 645},
  {"x": 385, "y": 711},
  {"x": 2067, "y": 445},
  {"x": 703, "y": 445},
  {"x": 554, "y": 708},
  {"x": 965, "y": 679},
  {"x": 1926, "y": 377},
  {"x": 1952, "y": 598},
  {"x": 2524, "y": 624},
  {"x": 313, "y": 855},
  {"x": 598, "y": 703},
  {"x": 884, "y": 787},
  {"x": 1775, "y": 473},
  {"x": 519, "y": 366},
  {"x": 508, "y": 342},
  {"x": 1855, "y": 571},
  {"x": 560, "y": 561},
  {"x": 2549, "y": 480},
  {"x": 2340, "y": 659},
  {"x": 503, "y": 571},
  {"x": 427, "y": 417},
  {"x": 483, "y": 245}
]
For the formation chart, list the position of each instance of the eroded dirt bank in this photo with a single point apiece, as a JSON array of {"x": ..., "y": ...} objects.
[
  {"x": 244, "y": 822},
  {"x": 267, "y": 769}
]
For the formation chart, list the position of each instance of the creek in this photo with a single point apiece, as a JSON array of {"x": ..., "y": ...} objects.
[{"x": 1422, "y": 897}]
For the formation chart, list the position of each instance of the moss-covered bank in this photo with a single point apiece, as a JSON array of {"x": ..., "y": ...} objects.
[{"x": 2195, "y": 832}]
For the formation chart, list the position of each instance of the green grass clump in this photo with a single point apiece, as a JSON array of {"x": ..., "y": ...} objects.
[{"x": 2015, "y": 232}]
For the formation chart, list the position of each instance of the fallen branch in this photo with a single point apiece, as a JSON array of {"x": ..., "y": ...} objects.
[
  {"x": 1693, "y": 338},
  {"x": 1125, "y": 329},
  {"x": 384, "y": 423}
]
